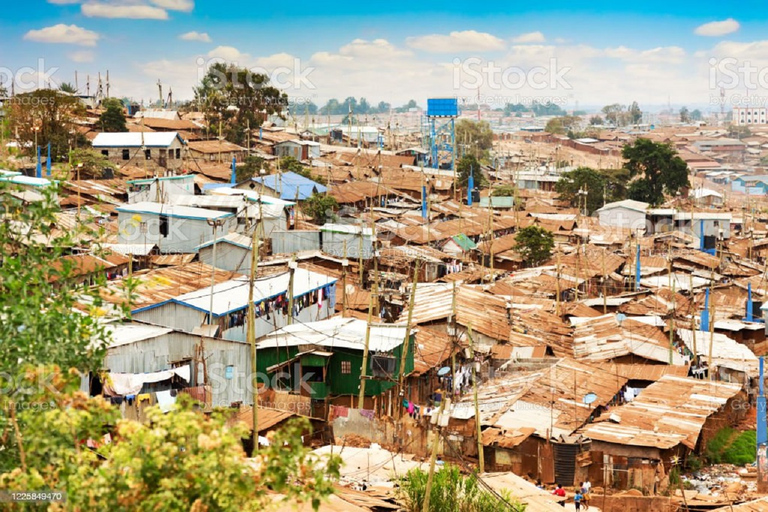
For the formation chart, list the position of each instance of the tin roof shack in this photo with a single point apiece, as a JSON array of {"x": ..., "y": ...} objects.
[
  {"x": 141, "y": 348},
  {"x": 161, "y": 189},
  {"x": 314, "y": 298},
  {"x": 221, "y": 151},
  {"x": 154, "y": 151},
  {"x": 707, "y": 228},
  {"x": 274, "y": 216},
  {"x": 288, "y": 186},
  {"x": 233, "y": 253},
  {"x": 173, "y": 229},
  {"x": 731, "y": 361},
  {"x": 529, "y": 419},
  {"x": 298, "y": 149},
  {"x": 322, "y": 361},
  {"x": 347, "y": 241},
  {"x": 674, "y": 416},
  {"x": 628, "y": 214}
]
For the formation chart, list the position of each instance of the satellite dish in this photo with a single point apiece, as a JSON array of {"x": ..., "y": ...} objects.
[
  {"x": 445, "y": 370},
  {"x": 589, "y": 398}
]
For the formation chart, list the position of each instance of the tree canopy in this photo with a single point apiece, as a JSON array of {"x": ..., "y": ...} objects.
[
  {"x": 656, "y": 169},
  {"x": 320, "y": 207},
  {"x": 602, "y": 186},
  {"x": 469, "y": 164},
  {"x": 113, "y": 117},
  {"x": 234, "y": 99},
  {"x": 474, "y": 137},
  {"x": 534, "y": 244},
  {"x": 561, "y": 125}
]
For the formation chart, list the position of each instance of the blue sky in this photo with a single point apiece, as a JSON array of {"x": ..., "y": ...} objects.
[{"x": 587, "y": 53}]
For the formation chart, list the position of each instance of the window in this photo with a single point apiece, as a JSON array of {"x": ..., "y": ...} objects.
[
  {"x": 346, "y": 367},
  {"x": 126, "y": 154},
  {"x": 178, "y": 153},
  {"x": 148, "y": 154},
  {"x": 105, "y": 152}
]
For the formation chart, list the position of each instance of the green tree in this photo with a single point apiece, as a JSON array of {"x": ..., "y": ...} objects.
[
  {"x": 321, "y": 208},
  {"x": 561, "y": 125},
  {"x": 92, "y": 164},
  {"x": 583, "y": 178},
  {"x": 503, "y": 191},
  {"x": 635, "y": 114},
  {"x": 467, "y": 165},
  {"x": 595, "y": 120},
  {"x": 68, "y": 88},
  {"x": 656, "y": 170},
  {"x": 289, "y": 163},
  {"x": 113, "y": 117},
  {"x": 685, "y": 116},
  {"x": 475, "y": 137},
  {"x": 614, "y": 114},
  {"x": 534, "y": 244},
  {"x": 235, "y": 99},
  {"x": 696, "y": 115},
  {"x": 739, "y": 132},
  {"x": 251, "y": 166},
  {"x": 180, "y": 461},
  {"x": 48, "y": 115}
]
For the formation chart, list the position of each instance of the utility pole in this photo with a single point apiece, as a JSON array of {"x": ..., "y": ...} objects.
[
  {"x": 433, "y": 456},
  {"x": 344, "y": 265},
  {"x": 407, "y": 340},
  {"x": 291, "y": 271},
  {"x": 363, "y": 370},
  {"x": 251, "y": 334},
  {"x": 214, "y": 223},
  {"x": 475, "y": 363}
]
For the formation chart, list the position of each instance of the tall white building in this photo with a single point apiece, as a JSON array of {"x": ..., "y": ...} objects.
[{"x": 749, "y": 115}]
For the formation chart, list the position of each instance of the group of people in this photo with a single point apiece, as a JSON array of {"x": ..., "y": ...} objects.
[{"x": 580, "y": 498}]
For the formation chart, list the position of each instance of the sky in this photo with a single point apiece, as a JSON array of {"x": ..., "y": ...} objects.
[{"x": 581, "y": 55}]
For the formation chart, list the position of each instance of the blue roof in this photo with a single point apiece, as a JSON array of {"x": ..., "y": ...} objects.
[{"x": 291, "y": 186}]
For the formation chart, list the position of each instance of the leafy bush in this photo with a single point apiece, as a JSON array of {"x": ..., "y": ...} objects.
[
  {"x": 731, "y": 447},
  {"x": 452, "y": 491}
]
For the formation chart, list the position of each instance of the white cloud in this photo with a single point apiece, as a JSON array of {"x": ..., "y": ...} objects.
[
  {"x": 229, "y": 53},
  {"x": 530, "y": 37},
  {"x": 63, "y": 34},
  {"x": 81, "y": 56},
  {"x": 203, "y": 37},
  {"x": 718, "y": 28},
  {"x": 133, "y": 11},
  {"x": 464, "y": 41},
  {"x": 175, "y": 5}
]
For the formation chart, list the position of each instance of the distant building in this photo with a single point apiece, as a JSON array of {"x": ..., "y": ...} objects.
[
  {"x": 743, "y": 116},
  {"x": 154, "y": 151},
  {"x": 288, "y": 186},
  {"x": 706, "y": 197},
  {"x": 217, "y": 151},
  {"x": 298, "y": 149},
  {"x": 160, "y": 189}
]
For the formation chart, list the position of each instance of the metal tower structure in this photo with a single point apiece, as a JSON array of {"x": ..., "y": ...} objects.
[{"x": 440, "y": 132}]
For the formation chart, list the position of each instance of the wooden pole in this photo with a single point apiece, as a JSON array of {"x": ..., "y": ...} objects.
[
  {"x": 407, "y": 340},
  {"x": 251, "y": 333},
  {"x": 364, "y": 368},
  {"x": 480, "y": 454},
  {"x": 433, "y": 456},
  {"x": 344, "y": 264}
]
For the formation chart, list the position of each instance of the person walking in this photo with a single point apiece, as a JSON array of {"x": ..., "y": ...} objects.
[
  {"x": 586, "y": 489},
  {"x": 560, "y": 493},
  {"x": 577, "y": 499}
]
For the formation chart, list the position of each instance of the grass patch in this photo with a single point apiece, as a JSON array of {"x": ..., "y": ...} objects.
[{"x": 732, "y": 447}]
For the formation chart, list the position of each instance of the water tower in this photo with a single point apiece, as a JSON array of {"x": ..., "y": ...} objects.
[{"x": 440, "y": 136}]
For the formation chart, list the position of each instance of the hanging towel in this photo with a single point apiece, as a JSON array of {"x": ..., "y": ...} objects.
[{"x": 165, "y": 400}]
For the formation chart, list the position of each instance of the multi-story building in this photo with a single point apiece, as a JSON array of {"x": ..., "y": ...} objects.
[{"x": 750, "y": 115}]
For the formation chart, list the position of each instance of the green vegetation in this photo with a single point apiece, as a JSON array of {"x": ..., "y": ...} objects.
[
  {"x": 732, "y": 447},
  {"x": 538, "y": 109},
  {"x": 562, "y": 125},
  {"x": 452, "y": 491},
  {"x": 250, "y": 168},
  {"x": 113, "y": 117},
  {"x": 534, "y": 244},
  {"x": 321, "y": 208},
  {"x": 503, "y": 191},
  {"x": 602, "y": 186},
  {"x": 622, "y": 115},
  {"x": 93, "y": 164},
  {"x": 180, "y": 461},
  {"x": 656, "y": 169},
  {"x": 467, "y": 165},
  {"x": 474, "y": 138}
]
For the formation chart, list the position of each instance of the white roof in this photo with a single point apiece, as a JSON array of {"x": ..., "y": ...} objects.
[
  {"x": 20, "y": 179},
  {"x": 350, "y": 229},
  {"x": 703, "y": 216},
  {"x": 124, "y": 334},
  {"x": 705, "y": 192},
  {"x": 337, "y": 332},
  {"x": 238, "y": 202},
  {"x": 134, "y": 139},
  {"x": 726, "y": 352},
  {"x": 170, "y": 210},
  {"x": 250, "y": 194},
  {"x": 629, "y": 204},
  {"x": 132, "y": 249},
  {"x": 233, "y": 295}
]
